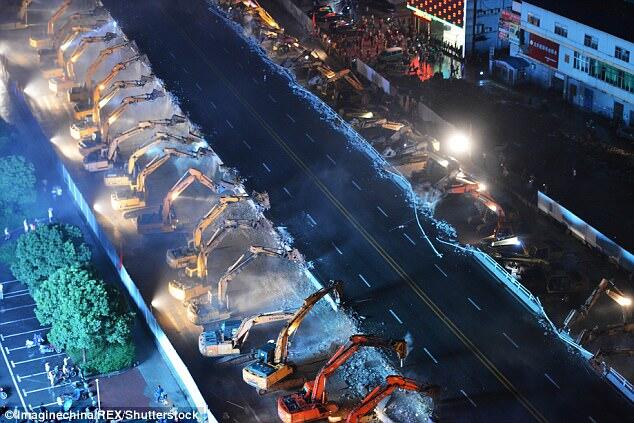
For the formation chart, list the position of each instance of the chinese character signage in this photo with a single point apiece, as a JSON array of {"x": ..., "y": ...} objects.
[
  {"x": 543, "y": 50},
  {"x": 509, "y": 27},
  {"x": 449, "y": 11}
]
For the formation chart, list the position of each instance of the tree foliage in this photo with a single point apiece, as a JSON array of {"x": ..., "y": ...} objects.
[
  {"x": 84, "y": 313},
  {"x": 41, "y": 252},
  {"x": 109, "y": 358},
  {"x": 17, "y": 182}
]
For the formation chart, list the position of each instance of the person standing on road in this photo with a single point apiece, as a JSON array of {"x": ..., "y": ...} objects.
[
  {"x": 7, "y": 234},
  {"x": 50, "y": 215},
  {"x": 1, "y": 291},
  {"x": 51, "y": 377},
  {"x": 26, "y": 226},
  {"x": 47, "y": 367}
]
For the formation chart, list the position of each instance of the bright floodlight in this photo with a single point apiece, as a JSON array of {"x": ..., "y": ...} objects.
[
  {"x": 481, "y": 187},
  {"x": 97, "y": 207},
  {"x": 458, "y": 143},
  {"x": 621, "y": 300}
]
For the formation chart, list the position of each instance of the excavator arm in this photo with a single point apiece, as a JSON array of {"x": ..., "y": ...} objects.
[
  {"x": 103, "y": 55},
  {"x": 24, "y": 7},
  {"x": 114, "y": 89},
  {"x": 116, "y": 113},
  {"x": 247, "y": 324},
  {"x": 578, "y": 314},
  {"x": 212, "y": 216},
  {"x": 181, "y": 185},
  {"x": 379, "y": 393},
  {"x": 50, "y": 28},
  {"x": 81, "y": 48},
  {"x": 71, "y": 21},
  {"x": 105, "y": 82},
  {"x": 281, "y": 345},
  {"x": 318, "y": 389}
]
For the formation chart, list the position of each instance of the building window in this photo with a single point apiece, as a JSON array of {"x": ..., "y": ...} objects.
[
  {"x": 567, "y": 58},
  {"x": 590, "y": 41},
  {"x": 561, "y": 30},
  {"x": 604, "y": 72},
  {"x": 622, "y": 54},
  {"x": 533, "y": 20}
]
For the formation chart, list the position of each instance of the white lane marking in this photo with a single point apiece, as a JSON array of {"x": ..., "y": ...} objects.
[
  {"x": 240, "y": 65},
  {"x": 233, "y": 403},
  {"x": 24, "y": 333},
  {"x": 213, "y": 105},
  {"x": 592, "y": 419},
  {"x": 272, "y": 98},
  {"x": 198, "y": 86},
  {"x": 225, "y": 49},
  {"x": 311, "y": 219},
  {"x": 9, "y": 281},
  {"x": 510, "y": 340},
  {"x": 247, "y": 144},
  {"x": 43, "y": 405},
  {"x": 382, "y": 211},
  {"x": 15, "y": 383},
  {"x": 290, "y": 118},
  {"x": 254, "y": 80},
  {"x": 365, "y": 281},
  {"x": 16, "y": 308},
  {"x": 331, "y": 159},
  {"x": 172, "y": 54},
  {"x": 229, "y": 123},
  {"x": 31, "y": 375},
  {"x": 474, "y": 304},
  {"x": 336, "y": 248},
  {"x": 268, "y": 169},
  {"x": 15, "y": 363},
  {"x": 408, "y": 238},
  {"x": 45, "y": 388},
  {"x": 11, "y": 295},
  {"x": 212, "y": 36},
  {"x": 185, "y": 69},
  {"x": 395, "y": 316},
  {"x": 430, "y": 355},
  {"x": 19, "y": 291},
  {"x": 440, "y": 270},
  {"x": 309, "y": 137},
  {"x": 287, "y": 192},
  {"x": 18, "y": 320},
  {"x": 469, "y": 399},
  {"x": 356, "y": 185},
  {"x": 15, "y": 349},
  {"x": 551, "y": 380}
]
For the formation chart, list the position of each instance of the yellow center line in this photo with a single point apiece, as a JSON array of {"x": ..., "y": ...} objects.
[{"x": 369, "y": 238}]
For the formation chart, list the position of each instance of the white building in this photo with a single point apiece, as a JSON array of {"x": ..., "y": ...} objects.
[{"x": 583, "y": 49}]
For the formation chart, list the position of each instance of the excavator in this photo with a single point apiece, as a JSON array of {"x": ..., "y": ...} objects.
[
  {"x": 82, "y": 94},
  {"x": 311, "y": 403},
  {"x": 378, "y": 394},
  {"x": 330, "y": 78},
  {"x": 272, "y": 365},
  {"x": 610, "y": 330},
  {"x": 121, "y": 177},
  {"x": 83, "y": 129},
  {"x": 85, "y": 110},
  {"x": 178, "y": 258},
  {"x": 605, "y": 286},
  {"x": 164, "y": 220},
  {"x": 135, "y": 196},
  {"x": 80, "y": 18},
  {"x": 50, "y": 27},
  {"x": 58, "y": 85},
  {"x": 229, "y": 336},
  {"x": 21, "y": 21},
  {"x": 199, "y": 312}
]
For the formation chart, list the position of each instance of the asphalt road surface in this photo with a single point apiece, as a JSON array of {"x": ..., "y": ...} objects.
[{"x": 494, "y": 361}]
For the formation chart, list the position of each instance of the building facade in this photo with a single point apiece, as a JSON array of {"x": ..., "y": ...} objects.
[
  {"x": 583, "y": 57},
  {"x": 471, "y": 25}
]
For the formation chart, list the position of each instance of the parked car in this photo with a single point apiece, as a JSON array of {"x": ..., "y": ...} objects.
[
  {"x": 392, "y": 54},
  {"x": 323, "y": 14}
]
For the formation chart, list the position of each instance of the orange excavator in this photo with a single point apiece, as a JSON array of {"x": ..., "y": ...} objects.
[
  {"x": 164, "y": 220},
  {"x": 378, "y": 394},
  {"x": 118, "y": 67},
  {"x": 272, "y": 365},
  {"x": 77, "y": 19},
  {"x": 50, "y": 27},
  {"x": 178, "y": 258},
  {"x": 81, "y": 48},
  {"x": 605, "y": 286},
  {"x": 127, "y": 101},
  {"x": 311, "y": 403}
]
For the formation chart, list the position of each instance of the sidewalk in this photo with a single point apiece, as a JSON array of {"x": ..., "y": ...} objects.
[{"x": 131, "y": 388}]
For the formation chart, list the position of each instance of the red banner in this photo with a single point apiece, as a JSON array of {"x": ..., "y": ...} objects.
[{"x": 543, "y": 50}]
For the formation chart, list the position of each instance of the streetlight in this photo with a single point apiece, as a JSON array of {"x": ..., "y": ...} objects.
[{"x": 458, "y": 143}]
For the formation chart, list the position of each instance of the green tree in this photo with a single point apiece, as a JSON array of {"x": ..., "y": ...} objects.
[
  {"x": 17, "y": 188},
  {"x": 85, "y": 314},
  {"x": 41, "y": 252}
]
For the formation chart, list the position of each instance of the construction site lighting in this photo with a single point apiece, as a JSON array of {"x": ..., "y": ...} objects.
[
  {"x": 98, "y": 207},
  {"x": 621, "y": 300},
  {"x": 482, "y": 187},
  {"x": 458, "y": 143},
  {"x": 506, "y": 242}
]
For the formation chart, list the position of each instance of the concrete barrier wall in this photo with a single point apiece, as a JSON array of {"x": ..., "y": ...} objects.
[
  {"x": 585, "y": 232},
  {"x": 373, "y": 76},
  {"x": 167, "y": 350}
]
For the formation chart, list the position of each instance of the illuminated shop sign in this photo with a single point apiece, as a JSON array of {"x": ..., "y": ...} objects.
[
  {"x": 447, "y": 11},
  {"x": 543, "y": 50}
]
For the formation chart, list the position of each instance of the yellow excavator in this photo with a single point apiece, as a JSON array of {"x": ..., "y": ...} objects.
[
  {"x": 50, "y": 27},
  {"x": 82, "y": 94},
  {"x": 165, "y": 220},
  {"x": 58, "y": 85},
  {"x": 217, "y": 307},
  {"x": 178, "y": 258},
  {"x": 97, "y": 15},
  {"x": 135, "y": 197},
  {"x": 229, "y": 336},
  {"x": 21, "y": 17},
  {"x": 272, "y": 365},
  {"x": 605, "y": 286}
]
